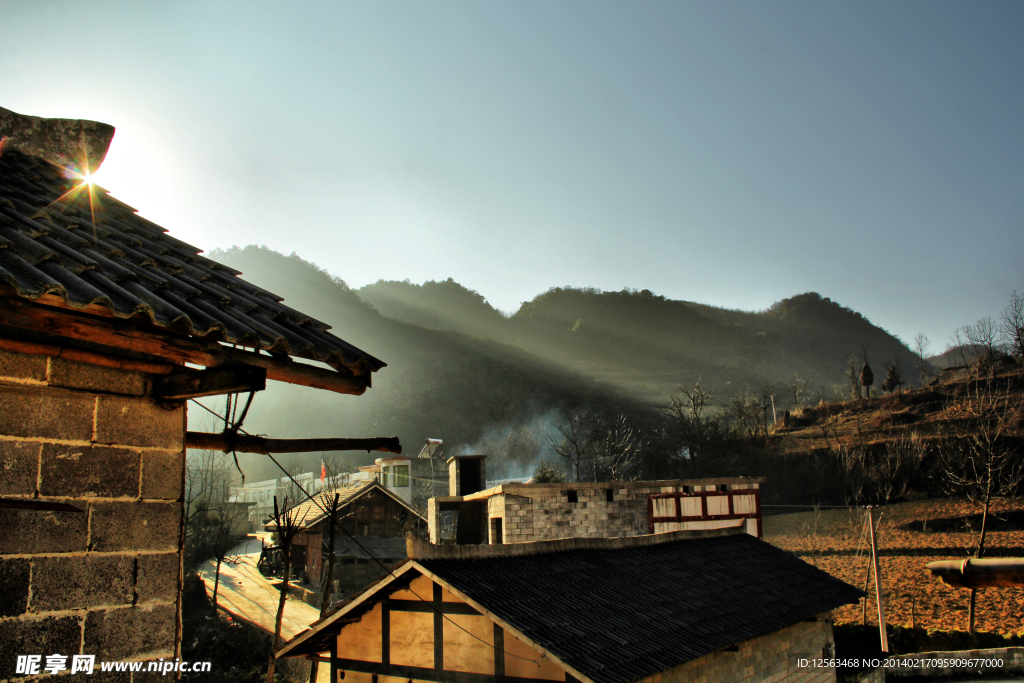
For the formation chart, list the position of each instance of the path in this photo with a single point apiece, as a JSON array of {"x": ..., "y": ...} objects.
[{"x": 247, "y": 595}]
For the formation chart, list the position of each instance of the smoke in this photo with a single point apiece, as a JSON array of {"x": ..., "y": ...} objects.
[{"x": 515, "y": 449}]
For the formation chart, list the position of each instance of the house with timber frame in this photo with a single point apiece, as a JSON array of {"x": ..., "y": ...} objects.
[
  {"x": 369, "y": 535},
  {"x": 708, "y": 606},
  {"x": 108, "y": 326}
]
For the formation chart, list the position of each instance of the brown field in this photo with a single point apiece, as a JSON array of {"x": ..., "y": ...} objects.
[{"x": 836, "y": 541}]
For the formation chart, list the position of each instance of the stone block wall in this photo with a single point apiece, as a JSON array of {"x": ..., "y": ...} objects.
[
  {"x": 768, "y": 659},
  {"x": 552, "y": 516},
  {"x": 547, "y": 513},
  {"x": 105, "y": 580}
]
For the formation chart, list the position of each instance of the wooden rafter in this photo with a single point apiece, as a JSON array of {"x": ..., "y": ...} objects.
[
  {"x": 90, "y": 357},
  {"x": 225, "y": 379}
]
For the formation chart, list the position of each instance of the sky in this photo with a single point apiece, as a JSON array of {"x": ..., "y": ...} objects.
[{"x": 729, "y": 153}]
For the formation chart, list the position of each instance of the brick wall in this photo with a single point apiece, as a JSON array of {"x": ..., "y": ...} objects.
[
  {"x": 768, "y": 659},
  {"x": 104, "y": 581},
  {"x": 546, "y": 513}
]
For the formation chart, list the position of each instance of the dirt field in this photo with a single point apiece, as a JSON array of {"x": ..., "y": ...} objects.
[{"x": 910, "y": 535}]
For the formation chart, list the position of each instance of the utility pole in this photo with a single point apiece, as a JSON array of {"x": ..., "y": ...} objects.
[{"x": 878, "y": 584}]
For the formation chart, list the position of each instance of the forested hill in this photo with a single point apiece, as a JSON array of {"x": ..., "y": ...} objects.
[
  {"x": 437, "y": 383},
  {"x": 648, "y": 345},
  {"x": 461, "y": 371}
]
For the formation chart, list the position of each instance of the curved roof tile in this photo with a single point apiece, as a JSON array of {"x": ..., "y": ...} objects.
[{"x": 53, "y": 241}]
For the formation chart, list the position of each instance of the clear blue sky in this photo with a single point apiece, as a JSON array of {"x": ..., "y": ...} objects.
[{"x": 731, "y": 153}]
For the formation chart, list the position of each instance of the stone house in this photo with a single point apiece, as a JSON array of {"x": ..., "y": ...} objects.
[
  {"x": 107, "y": 327},
  {"x": 708, "y": 606},
  {"x": 516, "y": 513},
  {"x": 373, "y": 522}
]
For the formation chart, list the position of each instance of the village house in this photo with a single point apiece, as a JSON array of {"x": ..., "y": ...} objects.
[
  {"x": 369, "y": 535},
  {"x": 708, "y": 606},
  {"x": 108, "y": 325},
  {"x": 516, "y": 513}
]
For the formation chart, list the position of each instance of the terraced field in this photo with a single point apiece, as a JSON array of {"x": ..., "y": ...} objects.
[{"x": 910, "y": 535}]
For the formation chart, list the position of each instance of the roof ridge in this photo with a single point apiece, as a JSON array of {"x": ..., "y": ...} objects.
[
  {"x": 77, "y": 143},
  {"x": 418, "y": 549}
]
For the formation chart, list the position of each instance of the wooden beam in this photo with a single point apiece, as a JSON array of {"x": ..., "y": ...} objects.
[
  {"x": 167, "y": 345},
  {"x": 224, "y": 379},
  {"x": 256, "y": 444},
  {"x": 89, "y": 357}
]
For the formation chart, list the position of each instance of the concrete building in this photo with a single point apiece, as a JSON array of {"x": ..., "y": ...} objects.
[
  {"x": 414, "y": 480},
  {"x": 104, "y": 319},
  {"x": 704, "y": 606},
  {"x": 517, "y": 513}
]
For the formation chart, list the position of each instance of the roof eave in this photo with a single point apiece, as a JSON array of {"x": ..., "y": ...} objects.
[{"x": 62, "y": 324}]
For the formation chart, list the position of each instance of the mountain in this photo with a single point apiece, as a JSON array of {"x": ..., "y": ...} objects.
[
  {"x": 461, "y": 371},
  {"x": 437, "y": 384},
  {"x": 647, "y": 346}
]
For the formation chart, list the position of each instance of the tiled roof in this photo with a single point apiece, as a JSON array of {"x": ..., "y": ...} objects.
[
  {"x": 365, "y": 547},
  {"x": 55, "y": 241},
  {"x": 311, "y": 512},
  {"x": 624, "y": 614}
]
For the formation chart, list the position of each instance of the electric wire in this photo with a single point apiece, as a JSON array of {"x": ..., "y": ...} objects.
[{"x": 429, "y": 603}]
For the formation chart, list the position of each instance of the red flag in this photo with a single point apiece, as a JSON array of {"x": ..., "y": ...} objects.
[{"x": 323, "y": 470}]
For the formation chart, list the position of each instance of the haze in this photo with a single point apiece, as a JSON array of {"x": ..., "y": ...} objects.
[{"x": 729, "y": 153}]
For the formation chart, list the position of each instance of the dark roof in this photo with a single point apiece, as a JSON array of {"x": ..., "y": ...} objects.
[
  {"x": 624, "y": 614},
  {"x": 366, "y": 547},
  {"x": 56, "y": 240},
  {"x": 311, "y": 512}
]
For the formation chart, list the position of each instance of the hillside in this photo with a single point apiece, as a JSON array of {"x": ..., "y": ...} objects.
[
  {"x": 647, "y": 346},
  {"x": 437, "y": 384}
]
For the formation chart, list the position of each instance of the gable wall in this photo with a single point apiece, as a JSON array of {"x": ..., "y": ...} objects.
[
  {"x": 374, "y": 514},
  {"x": 105, "y": 581},
  {"x": 769, "y": 659},
  {"x": 471, "y": 642}
]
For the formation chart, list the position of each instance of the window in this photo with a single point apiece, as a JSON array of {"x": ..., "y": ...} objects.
[
  {"x": 400, "y": 476},
  {"x": 573, "y": 497},
  {"x": 608, "y": 495}
]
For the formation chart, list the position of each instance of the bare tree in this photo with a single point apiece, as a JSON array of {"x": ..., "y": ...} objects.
[
  {"x": 620, "y": 446},
  {"x": 208, "y": 479},
  {"x": 1011, "y": 326},
  {"x": 688, "y": 412},
  {"x": 220, "y": 535},
  {"x": 845, "y": 463},
  {"x": 799, "y": 389},
  {"x": 286, "y": 526},
  {"x": 850, "y": 363},
  {"x": 337, "y": 472},
  {"x": 578, "y": 441},
  {"x": 745, "y": 409},
  {"x": 983, "y": 336},
  {"x": 897, "y": 465},
  {"x": 921, "y": 345},
  {"x": 959, "y": 347},
  {"x": 978, "y": 460},
  {"x": 768, "y": 402}
]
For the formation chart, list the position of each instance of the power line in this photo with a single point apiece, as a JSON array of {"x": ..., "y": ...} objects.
[{"x": 429, "y": 603}]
